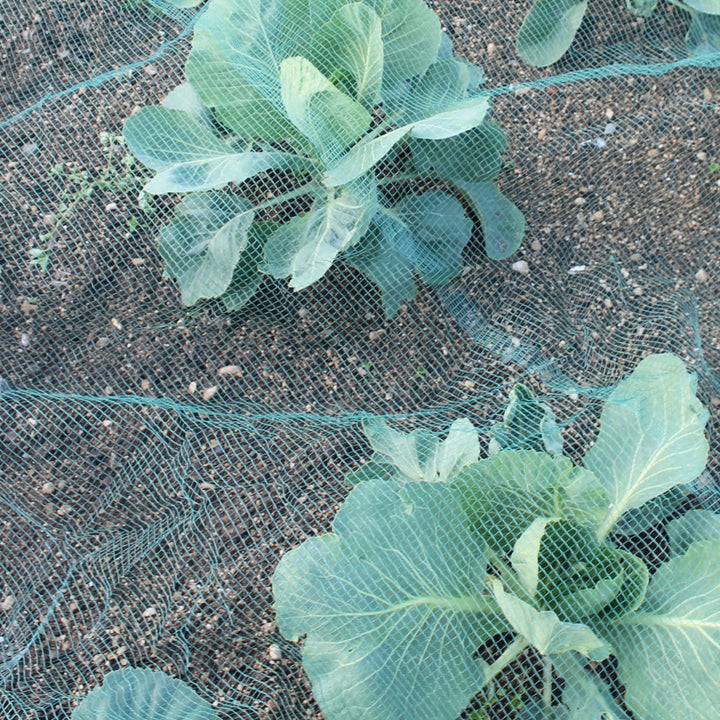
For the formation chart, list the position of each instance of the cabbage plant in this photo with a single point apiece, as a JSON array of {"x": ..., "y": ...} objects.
[
  {"x": 308, "y": 130},
  {"x": 435, "y": 555},
  {"x": 550, "y": 26}
]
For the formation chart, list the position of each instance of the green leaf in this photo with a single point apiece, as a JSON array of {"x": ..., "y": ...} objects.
[
  {"x": 306, "y": 246},
  {"x": 667, "y": 651},
  {"x": 411, "y": 38},
  {"x": 525, "y": 554},
  {"x": 133, "y": 693},
  {"x": 505, "y": 493},
  {"x": 184, "y": 98},
  {"x": 502, "y": 223},
  {"x": 371, "y": 470},
  {"x": 190, "y": 158},
  {"x": 693, "y": 526},
  {"x": 325, "y": 115},
  {"x": 380, "y": 257},
  {"x": 709, "y": 7},
  {"x": 585, "y": 696},
  {"x": 420, "y": 456},
  {"x": 651, "y": 436},
  {"x": 439, "y": 230},
  {"x": 703, "y": 35},
  {"x": 202, "y": 243},
  {"x": 424, "y": 232},
  {"x": 363, "y": 156},
  {"x": 162, "y": 136},
  {"x": 474, "y": 156},
  {"x": 641, "y": 8},
  {"x": 545, "y": 631},
  {"x": 391, "y": 605},
  {"x": 446, "y": 82},
  {"x": 234, "y": 65},
  {"x": 578, "y": 578},
  {"x": 549, "y": 29},
  {"x": 527, "y": 424},
  {"x": 561, "y": 564},
  {"x": 351, "y": 43},
  {"x": 444, "y": 123},
  {"x": 247, "y": 275},
  {"x": 640, "y": 519}
]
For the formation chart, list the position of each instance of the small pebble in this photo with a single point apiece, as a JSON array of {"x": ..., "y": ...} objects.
[
  {"x": 47, "y": 489},
  {"x": 638, "y": 291},
  {"x": 609, "y": 113},
  {"x": 597, "y": 216},
  {"x": 608, "y": 303},
  {"x": 207, "y": 486},
  {"x": 701, "y": 275},
  {"x": 29, "y": 149},
  {"x": 137, "y": 261},
  {"x": 274, "y": 652},
  {"x": 192, "y": 387},
  {"x": 209, "y": 392},
  {"x": 636, "y": 257},
  {"x": 491, "y": 49},
  {"x": 577, "y": 269},
  {"x": 610, "y": 129},
  {"x": 536, "y": 246},
  {"x": 116, "y": 324},
  {"x": 145, "y": 384},
  {"x": 25, "y": 340},
  {"x": 375, "y": 334},
  {"x": 707, "y": 95},
  {"x": 8, "y": 602},
  {"x": 521, "y": 266},
  {"x": 230, "y": 370},
  {"x": 580, "y": 200},
  {"x": 150, "y": 70},
  {"x": 149, "y": 612},
  {"x": 111, "y": 207}
]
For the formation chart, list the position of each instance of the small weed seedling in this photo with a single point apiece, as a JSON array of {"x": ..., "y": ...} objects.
[{"x": 120, "y": 175}]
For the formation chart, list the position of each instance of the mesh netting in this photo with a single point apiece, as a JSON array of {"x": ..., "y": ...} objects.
[{"x": 160, "y": 457}]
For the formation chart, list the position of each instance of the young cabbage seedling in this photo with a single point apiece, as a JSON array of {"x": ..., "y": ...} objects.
[{"x": 435, "y": 554}]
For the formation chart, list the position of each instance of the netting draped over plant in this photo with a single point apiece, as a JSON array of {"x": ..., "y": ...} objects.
[{"x": 278, "y": 268}]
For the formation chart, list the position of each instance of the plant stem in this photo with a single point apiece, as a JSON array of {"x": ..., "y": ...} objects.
[
  {"x": 547, "y": 682},
  {"x": 400, "y": 177},
  {"x": 509, "y": 655},
  {"x": 509, "y": 577},
  {"x": 290, "y": 195}
]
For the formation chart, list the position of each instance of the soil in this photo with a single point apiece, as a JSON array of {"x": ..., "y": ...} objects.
[{"x": 159, "y": 460}]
